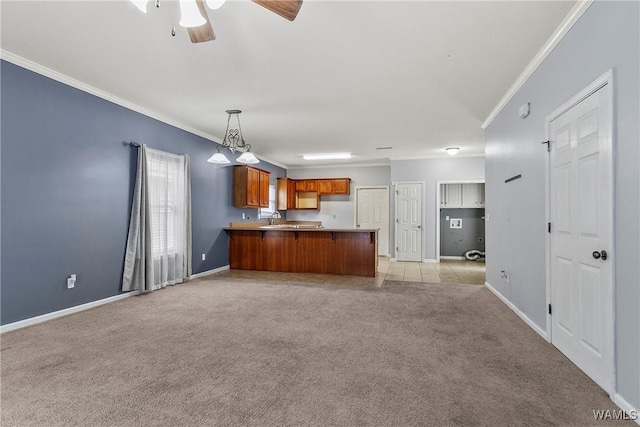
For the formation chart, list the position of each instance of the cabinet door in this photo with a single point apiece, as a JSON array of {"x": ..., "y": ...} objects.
[
  {"x": 310, "y": 185},
  {"x": 291, "y": 194},
  {"x": 453, "y": 195},
  {"x": 481, "y": 195},
  {"x": 264, "y": 189},
  {"x": 443, "y": 195},
  {"x": 281, "y": 198},
  {"x": 325, "y": 186},
  {"x": 470, "y": 195},
  {"x": 253, "y": 187},
  {"x": 341, "y": 186}
]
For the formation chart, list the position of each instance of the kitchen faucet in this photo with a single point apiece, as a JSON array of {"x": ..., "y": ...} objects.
[{"x": 274, "y": 215}]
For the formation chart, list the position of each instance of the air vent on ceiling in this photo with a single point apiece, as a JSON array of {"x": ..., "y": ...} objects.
[{"x": 384, "y": 148}]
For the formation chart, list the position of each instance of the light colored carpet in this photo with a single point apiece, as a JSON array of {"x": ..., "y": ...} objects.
[{"x": 229, "y": 352}]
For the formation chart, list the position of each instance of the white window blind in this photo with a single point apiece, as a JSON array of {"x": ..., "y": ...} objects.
[{"x": 166, "y": 201}]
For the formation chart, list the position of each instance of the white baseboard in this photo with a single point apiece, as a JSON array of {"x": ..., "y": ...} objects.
[
  {"x": 208, "y": 272},
  {"x": 460, "y": 258},
  {"x": 393, "y": 259},
  {"x": 430, "y": 261},
  {"x": 44, "y": 317},
  {"x": 520, "y": 314},
  {"x": 626, "y": 406}
]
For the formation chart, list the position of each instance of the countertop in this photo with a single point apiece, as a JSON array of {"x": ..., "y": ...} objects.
[{"x": 301, "y": 228}]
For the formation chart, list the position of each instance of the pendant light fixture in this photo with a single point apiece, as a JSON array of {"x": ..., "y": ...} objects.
[{"x": 234, "y": 141}]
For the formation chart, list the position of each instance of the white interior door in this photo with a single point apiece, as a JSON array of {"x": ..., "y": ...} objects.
[
  {"x": 409, "y": 221},
  {"x": 373, "y": 212},
  {"x": 580, "y": 204}
]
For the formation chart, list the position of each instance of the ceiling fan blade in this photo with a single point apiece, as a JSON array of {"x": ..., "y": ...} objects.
[
  {"x": 288, "y": 9},
  {"x": 204, "y": 32}
]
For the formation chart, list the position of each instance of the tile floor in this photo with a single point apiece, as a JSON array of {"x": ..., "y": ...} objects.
[{"x": 465, "y": 272}]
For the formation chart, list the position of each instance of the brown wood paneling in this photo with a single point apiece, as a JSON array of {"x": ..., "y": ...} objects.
[
  {"x": 279, "y": 250},
  {"x": 245, "y": 250},
  {"x": 331, "y": 252}
]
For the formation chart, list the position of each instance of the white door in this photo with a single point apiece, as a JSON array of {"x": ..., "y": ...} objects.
[
  {"x": 581, "y": 232},
  {"x": 373, "y": 212},
  {"x": 409, "y": 221}
]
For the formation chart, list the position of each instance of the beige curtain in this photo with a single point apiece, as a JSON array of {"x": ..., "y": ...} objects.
[{"x": 159, "y": 242}]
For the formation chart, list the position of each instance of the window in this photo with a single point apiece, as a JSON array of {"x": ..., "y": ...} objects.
[
  {"x": 165, "y": 197},
  {"x": 266, "y": 212}
]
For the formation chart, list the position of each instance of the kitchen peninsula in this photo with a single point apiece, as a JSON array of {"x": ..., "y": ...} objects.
[{"x": 302, "y": 248}]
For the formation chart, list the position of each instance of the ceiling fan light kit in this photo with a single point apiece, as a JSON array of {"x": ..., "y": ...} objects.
[
  {"x": 234, "y": 141},
  {"x": 193, "y": 14},
  {"x": 190, "y": 14},
  {"x": 141, "y": 5},
  {"x": 215, "y": 4}
]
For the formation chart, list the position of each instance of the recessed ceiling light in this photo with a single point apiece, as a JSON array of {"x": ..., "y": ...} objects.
[
  {"x": 452, "y": 151},
  {"x": 326, "y": 156}
]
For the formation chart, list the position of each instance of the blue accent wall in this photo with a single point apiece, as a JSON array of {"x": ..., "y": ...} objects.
[{"x": 67, "y": 182}]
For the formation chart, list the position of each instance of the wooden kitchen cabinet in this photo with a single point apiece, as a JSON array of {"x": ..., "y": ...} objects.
[
  {"x": 250, "y": 187},
  {"x": 335, "y": 186},
  {"x": 286, "y": 198},
  {"x": 306, "y": 185}
]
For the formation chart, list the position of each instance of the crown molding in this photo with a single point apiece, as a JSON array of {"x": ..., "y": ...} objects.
[{"x": 562, "y": 30}]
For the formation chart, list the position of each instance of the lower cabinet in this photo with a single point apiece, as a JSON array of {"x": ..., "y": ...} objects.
[{"x": 329, "y": 252}]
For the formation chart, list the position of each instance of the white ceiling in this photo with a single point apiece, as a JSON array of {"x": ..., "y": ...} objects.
[{"x": 418, "y": 76}]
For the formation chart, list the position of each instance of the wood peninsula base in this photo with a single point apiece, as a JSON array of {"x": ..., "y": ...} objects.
[{"x": 329, "y": 251}]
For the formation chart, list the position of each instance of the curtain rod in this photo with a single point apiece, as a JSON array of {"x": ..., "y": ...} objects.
[{"x": 131, "y": 144}]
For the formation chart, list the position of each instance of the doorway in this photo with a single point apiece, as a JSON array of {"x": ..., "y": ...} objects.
[
  {"x": 580, "y": 267},
  {"x": 372, "y": 211},
  {"x": 460, "y": 219},
  {"x": 409, "y": 231}
]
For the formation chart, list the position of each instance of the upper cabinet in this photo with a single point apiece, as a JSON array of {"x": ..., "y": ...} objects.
[
  {"x": 450, "y": 195},
  {"x": 286, "y": 198},
  {"x": 306, "y": 185},
  {"x": 250, "y": 187},
  {"x": 305, "y": 193},
  {"x": 473, "y": 195},
  {"x": 337, "y": 186},
  {"x": 462, "y": 195}
]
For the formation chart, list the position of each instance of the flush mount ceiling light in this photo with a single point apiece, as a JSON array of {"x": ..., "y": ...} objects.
[
  {"x": 234, "y": 141},
  {"x": 326, "y": 156},
  {"x": 452, "y": 151}
]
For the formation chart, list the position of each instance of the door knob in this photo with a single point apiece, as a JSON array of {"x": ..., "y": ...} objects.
[{"x": 597, "y": 255}]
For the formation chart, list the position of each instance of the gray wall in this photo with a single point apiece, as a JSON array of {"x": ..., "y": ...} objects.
[
  {"x": 67, "y": 184},
  {"x": 430, "y": 171},
  {"x": 458, "y": 241},
  {"x": 606, "y": 36},
  {"x": 338, "y": 211}
]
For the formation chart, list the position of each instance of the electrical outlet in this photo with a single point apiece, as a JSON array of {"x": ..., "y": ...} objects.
[
  {"x": 504, "y": 275},
  {"x": 244, "y": 216},
  {"x": 204, "y": 257}
]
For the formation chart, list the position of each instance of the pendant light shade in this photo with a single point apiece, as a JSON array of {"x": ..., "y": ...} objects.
[
  {"x": 190, "y": 14},
  {"x": 219, "y": 158},
  {"x": 248, "y": 157}
]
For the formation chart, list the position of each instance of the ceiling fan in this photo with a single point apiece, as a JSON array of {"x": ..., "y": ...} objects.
[{"x": 196, "y": 20}]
